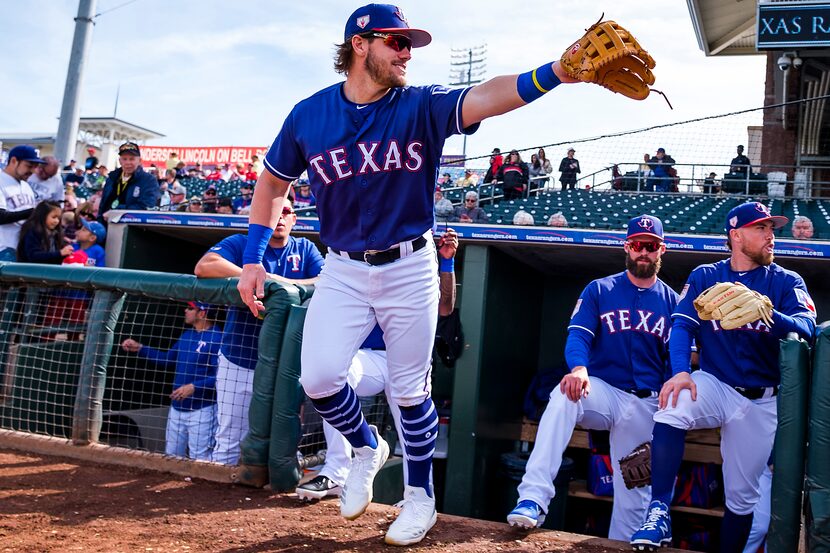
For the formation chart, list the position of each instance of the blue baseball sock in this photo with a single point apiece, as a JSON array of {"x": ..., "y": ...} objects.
[
  {"x": 419, "y": 426},
  {"x": 734, "y": 531},
  {"x": 666, "y": 453},
  {"x": 342, "y": 411}
]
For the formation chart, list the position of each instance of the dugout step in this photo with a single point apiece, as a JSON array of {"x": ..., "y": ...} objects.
[{"x": 579, "y": 488}]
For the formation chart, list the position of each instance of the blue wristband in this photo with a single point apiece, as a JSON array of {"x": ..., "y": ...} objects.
[
  {"x": 258, "y": 237},
  {"x": 534, "y": 84},
  {"x": 446, "y": 265}
]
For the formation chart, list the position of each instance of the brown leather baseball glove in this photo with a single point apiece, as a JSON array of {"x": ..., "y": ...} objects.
[
  {"x": 608, "y": 55},
  {"x": 635, "y": 468}
]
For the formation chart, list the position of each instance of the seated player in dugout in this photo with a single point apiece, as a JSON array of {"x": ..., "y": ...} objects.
[{"x": 369, "y": 376}]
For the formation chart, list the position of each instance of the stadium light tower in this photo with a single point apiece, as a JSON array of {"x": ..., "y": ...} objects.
[
  {"x": 71, "y": 106},
  {"x": 467, "y": 67}
]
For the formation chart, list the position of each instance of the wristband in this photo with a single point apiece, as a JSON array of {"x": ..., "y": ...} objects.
[
  {"x": 258, "y": 237},
  {"x": 446, "y": 265},
  {"x": 534, "y": 84}
]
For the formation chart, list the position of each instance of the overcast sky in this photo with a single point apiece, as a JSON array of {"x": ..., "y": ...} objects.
[{"x": 211, "y": 72}]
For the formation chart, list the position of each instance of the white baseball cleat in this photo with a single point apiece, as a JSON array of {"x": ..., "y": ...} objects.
[
  {"x": 357, "y": 491},
  {"x": 416, "y": 518}
]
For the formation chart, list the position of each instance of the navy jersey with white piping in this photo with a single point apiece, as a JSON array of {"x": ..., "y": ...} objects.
[
  {"x": 627, "y": 329},
  {"x": 299, "y": 259},
  {"x": 372, "y": 167},
  {"x": 746, "y": 356}
]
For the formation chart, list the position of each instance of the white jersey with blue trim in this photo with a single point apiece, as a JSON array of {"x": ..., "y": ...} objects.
[
  {"x": 746, "y": 356},
  {"x": 372, "y": 167},
  {"x": 629, "y": 331}
]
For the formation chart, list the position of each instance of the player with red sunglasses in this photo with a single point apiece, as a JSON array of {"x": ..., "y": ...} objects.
[{"x": 619, "y": 332}]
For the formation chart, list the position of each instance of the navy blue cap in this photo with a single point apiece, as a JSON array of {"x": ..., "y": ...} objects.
[
  {"x": 645, "y": 225},
  {"x": 751, "y": 213},
  {"x": 24, "y": 152},
  {"x": 384, "y": 18}
]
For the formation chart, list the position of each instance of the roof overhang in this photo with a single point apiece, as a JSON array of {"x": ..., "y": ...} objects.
[
  {"x": 724, "y": 27},
  {"x": 112, "y": 128}
]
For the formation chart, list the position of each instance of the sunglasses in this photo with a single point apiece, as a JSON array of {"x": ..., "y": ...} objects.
[
  {"x": 647, "y": 246},
  {"x": 286, "y": 211},
  {"x": 395, "y": 42}
]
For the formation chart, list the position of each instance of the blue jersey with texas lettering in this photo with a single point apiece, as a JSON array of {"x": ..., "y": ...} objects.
[
  {"x": 746, "y": 356},
  {"x": 628, "y": 330},
  {"x": 298, "y": 259},
  {"x": 372, "y": 167}
]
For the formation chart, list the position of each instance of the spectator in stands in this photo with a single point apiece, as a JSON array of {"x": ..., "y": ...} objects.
[
  {"x": 226, "y": 172},
  {"x": 45, "y": 181},
  {"x": 242, "y": 203},
  {"x": 194, "y": 205},
  {"x": 543, "y": 159},
  {"x": 740, "y": 165},
  {"x": 470, "y": 212},
  {"x": 181, "y": 170},
  {"x": 445, "y": 180},
  {"x": 41, "y": 236},
  {"x": 661, "y": 172},
  {"x": 557, "y": 220},
  {"x": 75, "y": 178},
  {"x": 470, "y": 179},
  {"x": 523, "y": 218},
  {"x": 644, "y": 173},
  {"x": 72, "y": 221},
  {"x": 214, "y": 175},
  {"x": 95, "y": 198},
  {"x": 70, "y": 199},
  {"x": 90, "y": 239},
  {"x": 209, "y": 200},
  {"x": 569, "y": 167},
  {"x": 178, "y": 194},
  {"x": 513, "y": 175},
  {"x": 172, "y": 161},
  {"x": 496, "y": 162},
  {"x": 709, "y": 184},
  {"x": 191, "y": 421},
  {"x": 225, "y": 206},
  {"x": 91, "y": 162},
  {"x": 538, "y": 177},
  {"x": 129, "y": 186},
  {"x": 250, "y": 174},
  {"x": 304, "y": 197},
  {"x": 802, "y": 228},
  {"x": 70, "y": 168},
  {"x": 289, "y": 259},
  {"x": 101, "y": 179},
  {"x": 443, "y": 207},
  {"x": 256, "y": 165}
]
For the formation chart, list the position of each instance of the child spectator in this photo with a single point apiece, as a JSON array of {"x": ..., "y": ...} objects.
[
  {"x": 41, "y": 236},
  {"x": 90, "y": 239}
]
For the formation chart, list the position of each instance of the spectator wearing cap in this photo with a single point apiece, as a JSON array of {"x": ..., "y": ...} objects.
[
  {"x": 661, "y": 172},
  {"x": 304, "y": 197},
  {"x": 470, "y": 179},
  {"x": 45, "y": 181},
  {"x": 178, "y": 196},
  {"x": 17, "y": 199},
  {"x": 91, "y": 162},
  {"x": 194, "y": 205},
  {"x": 129, "y": 186},
  {"x": 443, "y": 207},
  {"x": 289, "y": 259},
  {"x": 90, "y": 239},
  {"x": 70, "y": 167},
  {"x": 496, "y": 161},
  {"x": 242, "y": 203},
  {"x": 513, "y": 175},
  {"x": 470, "y": 212},
  {"x": 209, "y": 200},
  {"x": 191, "y": 421},
  {"x": 802, "y": 228},
  {"x": 523, "y": 218},
  {"x": 569, "y": 167},
  {"x": 709, "y": 184}
]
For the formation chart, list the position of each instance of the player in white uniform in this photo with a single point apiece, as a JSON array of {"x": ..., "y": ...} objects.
[{"x": 17, "y": 199}]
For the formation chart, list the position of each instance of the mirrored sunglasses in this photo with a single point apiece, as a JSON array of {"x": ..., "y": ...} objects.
[
  {"x": 395, "y": 42},
  {"x": 650, "y": 247}
]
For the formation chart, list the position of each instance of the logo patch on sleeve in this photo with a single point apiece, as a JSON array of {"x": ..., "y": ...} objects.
[
  {"x": 576, "y": 308},
  {"x": 683, "y": 292},
  {"x": 805, "y": 300}
]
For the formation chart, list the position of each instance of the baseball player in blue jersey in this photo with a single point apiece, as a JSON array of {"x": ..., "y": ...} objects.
[
  {"x": 617, "y": 350},
  {"x": 368, "y": 376},
  {"x": 285, "y": 258},
  {"x": 738, "y": 379},
  {"x": 191, "y": 421},
  {"x": 371, "y": 146}
]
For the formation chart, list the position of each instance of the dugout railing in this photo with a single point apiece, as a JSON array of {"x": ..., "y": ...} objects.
[{"x": 65, "y": 377}]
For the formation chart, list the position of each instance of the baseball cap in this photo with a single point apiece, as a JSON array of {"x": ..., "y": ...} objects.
[
  {"x": 24, "y": 152},
  {"x": 437, "y": 188},
  {"x": 659, "y": 150},
  {"x": 201, "y": 306},
  {"x": 130, "y": 148},
  {"x": 384, "y": 18},
  {"x": 571, "y": 150},
  {"x": 196, "y": 200},
  {"x": 302, "y": 182},
  {"x": 496, "y": 150},
  {"x": 750, "y": 213},
  {"x": 97, "y": 229},
  {"x": 645, "y": 225}
]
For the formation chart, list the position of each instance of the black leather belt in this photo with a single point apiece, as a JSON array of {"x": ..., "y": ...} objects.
[
  {"x": 756, "y": 393},
  {"x": 642, "y": 394},
  {"x": 385, "y": 256}
]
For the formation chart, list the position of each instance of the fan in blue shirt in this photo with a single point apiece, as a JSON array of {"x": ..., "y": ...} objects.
[{"x": 191, "y": 422}]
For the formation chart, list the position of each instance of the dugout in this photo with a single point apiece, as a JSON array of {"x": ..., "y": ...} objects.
[{"x": 516, "y": 293}]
